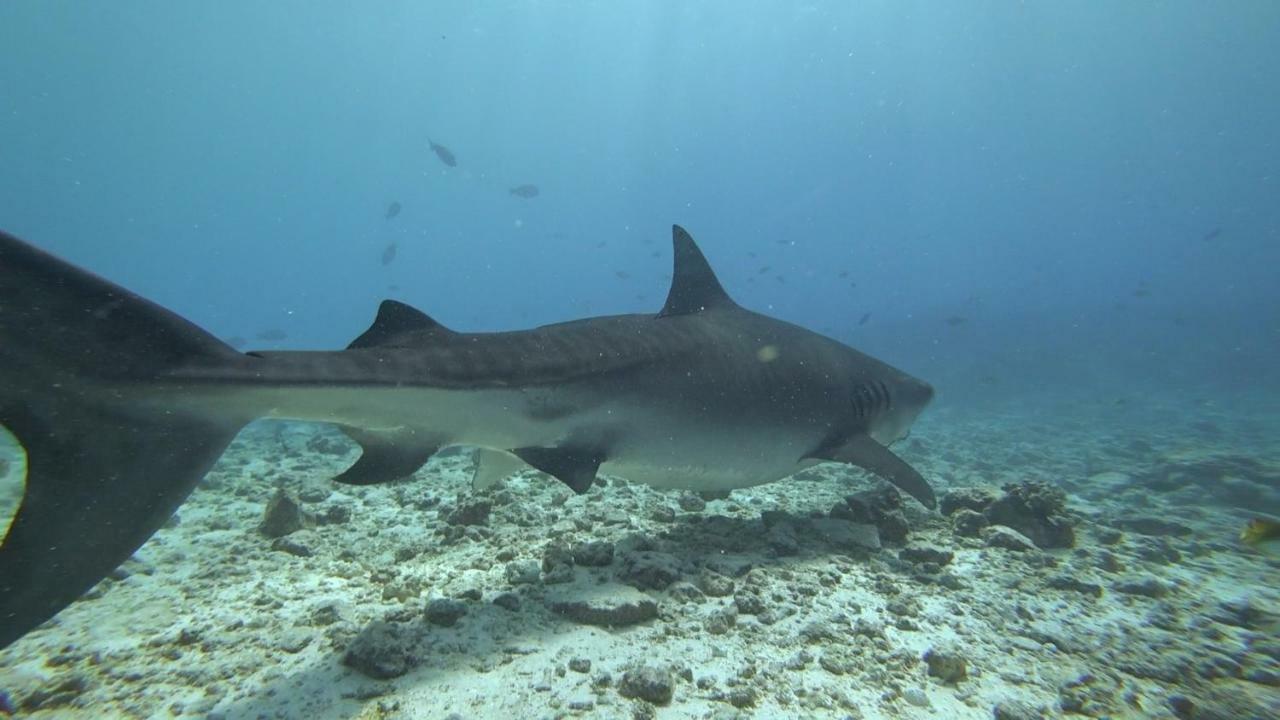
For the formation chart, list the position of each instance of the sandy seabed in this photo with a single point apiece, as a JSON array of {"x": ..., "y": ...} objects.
[{"x": 422, "y": 599}]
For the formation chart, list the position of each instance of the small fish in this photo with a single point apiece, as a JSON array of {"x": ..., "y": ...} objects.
[
  {"x": 1141, "y": 292},
  {"x": 623, "y": 275},
  {"x": 236, "y": 341},
  {"x": 763, "y": 269},
  {"x": 957, "y": 320},
  {"x": 271, "y": 334},
  {"x": 1211, "y": 235},
  {"x": 525, "y": 191},
  {"x": 393, "y": 209},
  {"x": 389, "y": 254},
  {"x": 442, "y": 152},
  {"x": 843, "y": 274},
  {"x": 1260, "y": 530},
  {"x": 865, "y": 317}
]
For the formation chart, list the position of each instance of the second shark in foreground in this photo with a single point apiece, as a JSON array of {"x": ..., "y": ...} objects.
[{"x": 123, "y": 406}]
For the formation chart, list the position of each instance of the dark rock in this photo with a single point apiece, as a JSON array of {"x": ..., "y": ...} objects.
[
  {"x": 769, "y": 518},
  {"x": 1066, "y": 581},
  {"x": 1144, "y": 586},
  {"x": 1109, "y": 562},
  {"x": 925, "y": 554},
  {"x": 507, "y": 601},
  {"x": 1240, "y": 612},
  {"x": 381, "y": 651},
  {"x": 593, "y": 553},
  {"x": 1015, "y": 710},
  {"x": 648, "y": 683},
  {"x": 472, "y": 511},
  {"x": 1152, "y": 526},
  {"x": 691, "y": 503},
  {"x": 742, "y": 697},
  {"x": 846, "y": 534},
  {"x": 580, "y": 665},
  {"x": 782, "y": 539},
  {"x": 1005, "y": 537},
  {"x": 976, "y": 499},
  {"x": 893, "y": 526},
  {"x": 523, "y": 572},
  {"x": 603, "y": 605},
  {"x": 685, "y": 592},
  {"x": 968, "y": 523},
  {"x": 714, "y": 584},
  {"x": 445, "y": 612},
  {"x": 946, "y": 664},
  {"x": 58, "y": 693},
  {"x": 720, "y": 620},
  {"x": 314, "y": 494},
  {"x": 1037, "y": 510},
  {"x": 1108, "y": 536},
  {"x": 281, "y": 517},
  {"x": 749, "y": 603},
  {"x": 294, "y": 640},
  {"x": 336, "y": 514},
  {"x": 557, "y": 565},
  {"x": 1157, "y": 550},
  {"x": 292, "y": 546},
  {"x": 663, "y": 514},
  {"x": 881, "y": 507},
  {"x": 649, "y": 570}
]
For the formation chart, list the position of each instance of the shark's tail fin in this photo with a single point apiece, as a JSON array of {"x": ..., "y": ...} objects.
[{"x": 106, "y": 466}]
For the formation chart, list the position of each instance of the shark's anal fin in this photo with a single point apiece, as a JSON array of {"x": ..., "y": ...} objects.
[
  {"x": 573, "y": 466},
  {"x": 870, "y": 455},
  {"x": 386, "y": 456}
]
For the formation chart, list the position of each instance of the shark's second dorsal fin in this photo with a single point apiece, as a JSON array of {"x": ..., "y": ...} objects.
[
  {"x": 398, "y": 325},
  {"x": 694, "y": 286}
]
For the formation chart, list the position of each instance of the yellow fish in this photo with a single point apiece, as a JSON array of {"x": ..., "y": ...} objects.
[{"x": 1259, "y": 531}]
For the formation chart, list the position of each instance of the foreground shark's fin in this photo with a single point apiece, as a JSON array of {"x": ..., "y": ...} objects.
[
  {"x": 399, "y": 325},
  {"x": 694, "y": 286},
  {"x": 575, "y": 467},
  {"x": 493, "y": 466},
  {"x": 386, "y": 456},
  {"x": 103, "y": 472},
  {"x": 870, "y": 455}
]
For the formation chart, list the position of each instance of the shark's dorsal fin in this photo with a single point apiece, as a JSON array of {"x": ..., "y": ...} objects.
[
  {"x": 694, "y": 286},
  {"x": 398, "y": 325}
]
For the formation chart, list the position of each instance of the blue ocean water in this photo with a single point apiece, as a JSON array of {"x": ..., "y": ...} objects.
[
  {"x": 1056, "y": 210},
  {"x": 1089, "y": 186}
]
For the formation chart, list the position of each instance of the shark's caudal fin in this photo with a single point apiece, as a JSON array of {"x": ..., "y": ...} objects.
[{"x": 104, "y": 471}]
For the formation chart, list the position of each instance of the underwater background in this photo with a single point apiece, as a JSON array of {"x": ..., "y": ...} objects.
[{"x": 1064, "y": 216}]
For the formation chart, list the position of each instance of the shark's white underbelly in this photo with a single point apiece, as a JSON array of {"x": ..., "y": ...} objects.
[{"x": 649, "y": 442}]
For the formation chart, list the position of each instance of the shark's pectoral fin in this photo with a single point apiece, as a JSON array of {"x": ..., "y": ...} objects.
[
  {"x": 493, "y": 466},
  {"x": 870, "y": 455},
  {"x": 573, "y": 466},
  {"x": 386, "y": 456}
]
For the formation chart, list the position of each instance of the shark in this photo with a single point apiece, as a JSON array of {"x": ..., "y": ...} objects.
[{"x": 122, "y": 406}]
